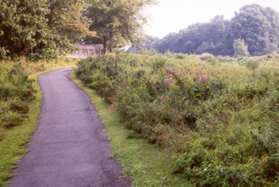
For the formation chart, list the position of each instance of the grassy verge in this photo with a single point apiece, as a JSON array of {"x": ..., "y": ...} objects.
[
  {"x": 147, "y": 164},
  {"x": 13, "y": 146}
]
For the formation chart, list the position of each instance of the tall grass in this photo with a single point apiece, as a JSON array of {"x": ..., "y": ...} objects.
[
  {"x": 220, "y": 115},
  {"x": 16, "y": 92}
]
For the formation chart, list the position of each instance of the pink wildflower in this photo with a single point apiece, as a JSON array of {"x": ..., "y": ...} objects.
[
  {"x": 170, "y": 72},
  {"x": 201, "y": 78},
  {"x": 168, "y": 82},
  {"x": 163, "y": 98}
]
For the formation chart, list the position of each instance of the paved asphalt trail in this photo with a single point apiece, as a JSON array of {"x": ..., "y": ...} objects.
[{"x": 69, "y": 148}]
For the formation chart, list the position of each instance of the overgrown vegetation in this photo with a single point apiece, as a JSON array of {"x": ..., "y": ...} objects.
[
  {"x": 16, "y": 93},
  {"x": 147, "y": 165},
  {"x": 220, "y": 115}
]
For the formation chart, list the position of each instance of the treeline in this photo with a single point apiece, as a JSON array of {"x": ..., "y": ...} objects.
[
  {"x": 254, "y": 30},
  {"x": 38, "y": 28}
]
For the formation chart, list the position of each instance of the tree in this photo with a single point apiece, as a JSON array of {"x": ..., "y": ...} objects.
[
  {"x": 24, "y": 26},
  {"x": 256, "y": 25},
  {"x": 240, "y": 48},
  {"x": 67, "y": 21},
  {"x": 200, "y": 38},
  {"x": 36, "y": 27},
  {"x": 144, "y": 43},
  {"x": 259, "y": 28},
  {"x": 116, "y": 22}
]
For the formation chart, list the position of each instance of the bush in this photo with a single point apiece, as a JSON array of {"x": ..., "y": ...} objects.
[
  {"x": 11, "y": 119},
  {"x": 207, "y": 57},
  {"x": 221, "y": 117},
  {"x": 19, "y": 106},
  {"x": 16, "y": 92},
  {"x": 47, "y": 54}
]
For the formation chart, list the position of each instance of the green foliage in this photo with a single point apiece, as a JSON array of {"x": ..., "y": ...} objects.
[
  {"x": 39, "y": 28},
  {"x": 144, "y": 163},
  {"x": 257, "y": 26},
  {"x": 46, "y": 28},
  {"x": 116, "y": 23},
  {"x": 240, "y": 48},
  {"x": 46, "y": 54},
  {"x": 23, "y": 26},
  {"x": 16, "y": 92},
  {"x": 20, "y": 108},
  {"x": 67, "y": 21},
  {"x": 222, "y": 117}
]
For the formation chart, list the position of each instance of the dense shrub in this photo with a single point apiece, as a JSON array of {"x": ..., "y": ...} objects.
[
  {"x": 221, "y": 117},
  {"x": 16, "y": 92}
]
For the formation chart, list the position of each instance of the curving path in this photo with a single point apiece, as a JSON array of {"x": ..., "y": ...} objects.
[{"x": 69, "y": 148}]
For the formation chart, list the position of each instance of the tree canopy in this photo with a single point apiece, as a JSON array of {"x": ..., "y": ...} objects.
[
  {"x": 24, "y": 26},
  {"x": 66, "y": 16},
  {"x": 257, "y": 26},
  {"x": 115, "y": 22},
  {"x": 38, "y": 27},
  {"x": 35, "y": 27}
]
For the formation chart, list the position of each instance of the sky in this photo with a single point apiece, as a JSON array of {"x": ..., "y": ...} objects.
[{"x": 167, "y": 16}]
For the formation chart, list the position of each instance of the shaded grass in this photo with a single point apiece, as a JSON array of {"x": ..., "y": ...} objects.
[
  {"x": 13, "y": 145},
  {"x": 147, "y": 164}
]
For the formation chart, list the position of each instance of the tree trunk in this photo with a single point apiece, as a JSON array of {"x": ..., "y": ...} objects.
[
  {"x": 110, "y": 47},
  {"x": 110, "y": 42},
  {"x": 104, "y": 45}
]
